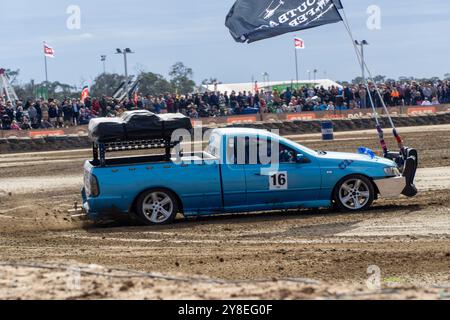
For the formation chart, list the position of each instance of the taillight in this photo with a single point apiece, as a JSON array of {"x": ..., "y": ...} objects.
[{"x": 94, "y": 190}]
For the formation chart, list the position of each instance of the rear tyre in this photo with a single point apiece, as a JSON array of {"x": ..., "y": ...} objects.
[
  {"x": 354, "y": 193},
  {"x": 157, "y": 207}
]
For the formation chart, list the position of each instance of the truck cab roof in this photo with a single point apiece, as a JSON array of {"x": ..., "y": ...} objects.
[{"x": 245, "y": 132}]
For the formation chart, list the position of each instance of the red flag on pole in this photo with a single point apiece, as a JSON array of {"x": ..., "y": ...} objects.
[
  {"x": 299, "y": 43},
  {"x": 256, "y": 87},
  {"x": 84, "y": 93},
  {"x": 48, "y": 51}
]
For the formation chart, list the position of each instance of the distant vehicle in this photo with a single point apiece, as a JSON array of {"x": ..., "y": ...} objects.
[{"x": 157, "y": 188}]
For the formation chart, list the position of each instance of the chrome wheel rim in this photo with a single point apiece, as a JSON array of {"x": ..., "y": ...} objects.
[
  {"x": 158, "y": 207},
  {"x": 354, "y": 194}
]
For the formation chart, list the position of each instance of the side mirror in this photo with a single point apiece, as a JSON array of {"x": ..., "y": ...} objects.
[{"x": 302, "y": 159}]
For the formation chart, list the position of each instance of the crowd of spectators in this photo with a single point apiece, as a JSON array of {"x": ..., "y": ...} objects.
[{"x": 51, "y": 113}]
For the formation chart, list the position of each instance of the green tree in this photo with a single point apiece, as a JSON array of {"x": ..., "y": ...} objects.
[
  {"x": 153, "y": 84},
  {"x": 12, "y": 75},
  {"x": 357, "y": 80},
  {"x": 211, "y": 83},
  {"x": 106, "y": 84},
  {"x": 379, "y": 79},
  {"x": 25, "y": 91},
  {"x": 434, "y": 79},
  {"x": 181, "y": 78},
  {"x": 56, "y": 90}
]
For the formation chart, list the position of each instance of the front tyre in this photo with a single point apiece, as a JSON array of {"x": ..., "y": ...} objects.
[
  {"x": 157, "y": 207},
  {"x": 354, "y": 193}
]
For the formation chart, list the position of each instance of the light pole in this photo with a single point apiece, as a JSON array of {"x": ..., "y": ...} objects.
[
  {"x": 266, "y": 79},
  {"x": 125, "y": 52},
  {"x": 103, "y": 59},
  {"x": 363, "y": 63},
  {"x": 315, "y": 74},
  {"x": 309, "y": 75}
]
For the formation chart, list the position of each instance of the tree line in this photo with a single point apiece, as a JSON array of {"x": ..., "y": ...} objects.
[{"x": 180, "y": 81}]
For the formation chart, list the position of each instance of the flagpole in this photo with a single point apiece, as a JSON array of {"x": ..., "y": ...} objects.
[
  {"x": 296, "y": 66},
  {"x": 46, "y": 69}
]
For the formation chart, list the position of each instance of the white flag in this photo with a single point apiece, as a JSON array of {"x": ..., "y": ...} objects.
[
  {"x": 49, "y": 51},
  {"x": 299, "y": 43}
]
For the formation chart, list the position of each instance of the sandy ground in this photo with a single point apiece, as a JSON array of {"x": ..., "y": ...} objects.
[{"x": 45, "y": 253}]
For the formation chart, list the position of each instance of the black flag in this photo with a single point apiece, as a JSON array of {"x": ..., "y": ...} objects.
[
  {"x": 338, "y": 4},
  {"x": 253, "y": 20}
]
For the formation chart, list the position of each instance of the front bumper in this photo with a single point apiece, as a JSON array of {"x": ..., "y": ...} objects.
[{"x": 391, "y": 187}]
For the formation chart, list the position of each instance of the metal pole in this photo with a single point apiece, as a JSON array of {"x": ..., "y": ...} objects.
[
  {"x": 103, "y": 60},
  {"x": 296, "y": 65},
  {"x": 126, "y": 63},
  {"x": 46, "y": 69},
  {"x": 363, "y": 63}
]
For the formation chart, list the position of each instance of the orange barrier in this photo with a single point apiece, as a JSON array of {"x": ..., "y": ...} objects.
[
  {"x": 422, "y": 110},
  {"x": 46, "y": 133},
  {"x": 301, "y": 116},
  {"x": 242, "y": 119}
]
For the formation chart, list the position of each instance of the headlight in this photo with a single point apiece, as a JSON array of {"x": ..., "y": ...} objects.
[{"x": 392, "y": 172}]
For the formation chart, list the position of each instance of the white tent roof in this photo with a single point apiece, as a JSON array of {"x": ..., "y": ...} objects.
[{"x": 250, "y": 86}]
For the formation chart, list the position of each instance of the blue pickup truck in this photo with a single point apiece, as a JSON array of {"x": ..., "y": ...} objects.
[{"x": 229, "y": 178}]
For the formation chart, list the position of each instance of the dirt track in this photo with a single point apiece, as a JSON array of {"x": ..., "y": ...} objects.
[{"x": 408, "y": 239}]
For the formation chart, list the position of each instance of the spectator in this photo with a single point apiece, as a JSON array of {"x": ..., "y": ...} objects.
[
  {"x": 42, "y": 113},
  {"x": 53, "y": 115},
  {"x": 67, "y": 114}
]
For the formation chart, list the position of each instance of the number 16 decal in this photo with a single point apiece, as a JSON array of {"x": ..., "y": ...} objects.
[{"x": 278, "y": 181}]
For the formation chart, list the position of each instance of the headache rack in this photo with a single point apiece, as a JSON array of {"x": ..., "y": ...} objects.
[{"x": 101, "y": 149}]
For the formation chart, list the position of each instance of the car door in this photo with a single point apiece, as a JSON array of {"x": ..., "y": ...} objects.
[
  {"x": 286, "y": 181},
  {"x": 233, "y": 175}
]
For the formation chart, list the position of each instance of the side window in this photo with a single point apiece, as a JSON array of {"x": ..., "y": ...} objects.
[
  {"x": 214, "y": 146},
  {"x": 250, "y": 151},
  {"x": 242, "y": 150},
  {"x": 231, "y": 150},
  {"x": 285, "y": 153}
]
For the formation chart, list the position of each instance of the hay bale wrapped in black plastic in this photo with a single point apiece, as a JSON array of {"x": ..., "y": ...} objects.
[{"x": 137, "y": 125}]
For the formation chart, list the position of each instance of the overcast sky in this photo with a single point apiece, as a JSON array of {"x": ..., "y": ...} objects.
[{"x": 414, "y": 40}]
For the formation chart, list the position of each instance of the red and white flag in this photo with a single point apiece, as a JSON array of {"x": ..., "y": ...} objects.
[
  {"x": 84, "y": 93},
  {"x": 299, "y": 43},
  {"x": 48, "y": 51},
  {"x": 256, "y": 87}
]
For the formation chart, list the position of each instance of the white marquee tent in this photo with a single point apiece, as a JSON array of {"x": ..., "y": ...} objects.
[{"x": 240, "y": 87}]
